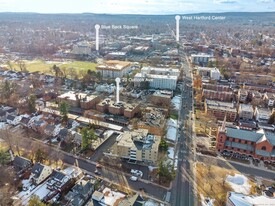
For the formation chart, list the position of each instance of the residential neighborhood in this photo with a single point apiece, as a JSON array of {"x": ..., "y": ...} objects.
[{"x": 138, "y": 108}]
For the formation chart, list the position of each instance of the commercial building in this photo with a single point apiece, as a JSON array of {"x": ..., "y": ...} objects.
[
  {"x": 137, "y": 145},
  {"x": 114, "y": 68},
  {"x": 221, "y": 109},
  {"x": 259, "y": 144}
]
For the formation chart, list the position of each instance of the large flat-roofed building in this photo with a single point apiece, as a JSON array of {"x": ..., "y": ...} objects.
[
  {"x": 82, "y": 48},
  {"x": 78, "y": 99},
  {"x": 213, "y": 73},
  {"x": 259, "y": 144},
  {"x": 217, "y": 95},
  {"x": 221, "y": 109},
  {"x": 114, "y": 68},
  {"x": 156, "y": 81},
  {"x": 158, "y": 78},
  {"x": 200, "y": 58},
  {"x": 137, "y": 145},
  {"x": 160, "y": 71}
]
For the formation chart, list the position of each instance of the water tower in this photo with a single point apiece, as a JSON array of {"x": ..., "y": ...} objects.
[{"x": 117, "y": 89}]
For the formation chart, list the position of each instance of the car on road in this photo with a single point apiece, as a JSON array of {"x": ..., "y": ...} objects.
[{"x": 133, "y": 178}]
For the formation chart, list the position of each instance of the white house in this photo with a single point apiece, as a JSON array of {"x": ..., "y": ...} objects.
[{"x": 40, "y": 173}]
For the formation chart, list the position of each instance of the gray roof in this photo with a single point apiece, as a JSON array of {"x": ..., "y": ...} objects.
[
  {"x": 263, "y": 153},
  {"x": 239, "y": 145},
  {"x": 250, "y": 135},
  {"x": 243, "y": 134}
]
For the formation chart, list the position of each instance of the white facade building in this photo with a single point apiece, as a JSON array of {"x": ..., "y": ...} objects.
[
  {"x": 158, "y": 78},
  {"x": 114, "y": 68},
  {"x": 200, "y": 58},
  {"x": 246, "y": 111},
  {"x": 215, "y": 74}
]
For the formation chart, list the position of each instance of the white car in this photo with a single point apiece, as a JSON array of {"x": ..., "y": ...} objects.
[
  {"x": 137, "y": 172},
  {"x": 133, "y": 178}
]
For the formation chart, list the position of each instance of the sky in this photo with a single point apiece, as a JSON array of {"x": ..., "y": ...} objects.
[{"x": 136, "y": 6}]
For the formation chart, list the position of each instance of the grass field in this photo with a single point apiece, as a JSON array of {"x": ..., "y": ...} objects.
[{"x": 45, "y": 66}]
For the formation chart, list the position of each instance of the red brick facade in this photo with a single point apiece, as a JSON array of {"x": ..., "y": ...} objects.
[{"x": 223, "y": 141}]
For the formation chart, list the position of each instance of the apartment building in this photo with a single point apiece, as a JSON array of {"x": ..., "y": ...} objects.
[
  {"x": 246, "y": 111},
  {"x": 78, "y": 99},
  {"x": 217, "y": 95},
  {"x": 137, "y": 145},
  {"x": 200, "y": 58},
  {"x": 114, "y": 68},
  {"x": 262, "y": 114},
  {"x": 221, "y": 109}
]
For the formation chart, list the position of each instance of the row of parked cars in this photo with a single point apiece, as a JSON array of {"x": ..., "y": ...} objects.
[{"x": 235, "y": 155}]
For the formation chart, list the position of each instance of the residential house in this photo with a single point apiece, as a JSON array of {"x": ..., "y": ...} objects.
[
  {"x": 58, "y": 181},
  {"x": 38, "y": 126},
  {"x": 13, "y": 120},
  {"x": 40, "y": 173},
  {"x": 11, "y": 111},
  {"x": 63, "y": 134},
  {"x": 24, "y": 122},
  {"x": 52, "y": 130},
  {"x": 80, "y": 193},
  {"x": 3, "y": 116},
  {"x": 21, "y": 163}
]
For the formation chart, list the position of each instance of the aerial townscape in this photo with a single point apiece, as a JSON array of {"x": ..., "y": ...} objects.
[{"x": 101, "y": 107}]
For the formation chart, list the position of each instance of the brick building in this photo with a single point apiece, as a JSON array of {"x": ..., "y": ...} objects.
[
  {"x": 217, "y": 95},
  {"x": 259, "y": 144},
  {"x": 121, "y": 108},
  {"x": 221, "y": 109}
]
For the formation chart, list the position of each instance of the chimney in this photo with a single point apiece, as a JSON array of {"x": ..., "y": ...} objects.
[{"x": 117, "y": 89}]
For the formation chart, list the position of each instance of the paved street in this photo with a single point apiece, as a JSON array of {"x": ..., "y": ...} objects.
[
  {"x": 115, "y": 176},
  {"x": 182, "y": 187}
]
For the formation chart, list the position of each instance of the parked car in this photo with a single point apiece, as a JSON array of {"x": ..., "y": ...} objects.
[{"x": 133, "y": 178}]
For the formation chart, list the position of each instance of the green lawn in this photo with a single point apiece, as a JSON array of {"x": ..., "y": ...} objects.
[{"x": 44, "y": 66}]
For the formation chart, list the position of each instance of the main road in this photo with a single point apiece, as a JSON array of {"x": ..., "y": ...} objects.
[{"x": 182, "y": 192}]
